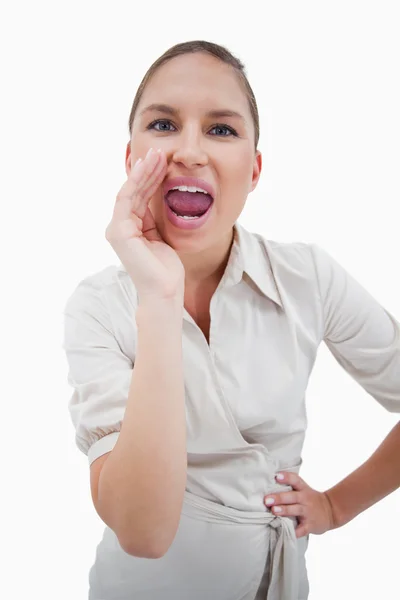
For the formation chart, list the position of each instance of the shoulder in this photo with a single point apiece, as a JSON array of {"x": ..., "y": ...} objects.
[
  {"x": 295, "y": 257},
  {"x": 109, "y": 287},
  {"x": 100, "y": 311}
]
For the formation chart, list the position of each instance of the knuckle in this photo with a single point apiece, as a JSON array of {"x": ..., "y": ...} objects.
[
  {"x": 304, "y": 499},
  {"x": 137, "y": 197},
  {"x": 112, "y": 232},
  {"x": 124, "y": 190}
]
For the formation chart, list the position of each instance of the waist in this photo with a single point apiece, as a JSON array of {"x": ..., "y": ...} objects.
[
  {"x": 283, "y": 549},
  {"x": 205, "y": 510}
]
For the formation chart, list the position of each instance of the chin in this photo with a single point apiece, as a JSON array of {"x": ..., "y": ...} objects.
[{"x": 185, "y": 244}]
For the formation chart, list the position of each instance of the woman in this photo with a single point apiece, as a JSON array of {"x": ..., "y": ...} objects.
[{"x": 190, "y": 360}]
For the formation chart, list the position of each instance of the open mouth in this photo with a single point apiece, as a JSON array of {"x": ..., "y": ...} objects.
[
  {"x": 186, "y": 216},
  {"x": 187, "y": 203},
  {"x": 188, "y": 210}
]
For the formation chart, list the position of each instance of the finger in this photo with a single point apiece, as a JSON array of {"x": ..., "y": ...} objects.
[
  {"x": 150, "y": 231},
  {"x": 141, "y": 178},
  {"x": 301, "y": 530},
  {"x": 289, "y": 510},
  {"x": 147, "y": 175},
  {"x": 292, "y": 479},
  {"x": 143, "y": 168},
  {"x": 132, "y": 195},
  {"x": 282, "y": 498},
  {"x": 156, "y": 180}
]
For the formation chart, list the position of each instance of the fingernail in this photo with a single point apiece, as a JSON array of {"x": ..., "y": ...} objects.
[
  {"x": 137, "y": 162},
  {"x": 280, "y": 476},
  {"x": 277, "y": 509},
  {"x": 149, "y": 152},
  {"x": 269, "y": 501}
]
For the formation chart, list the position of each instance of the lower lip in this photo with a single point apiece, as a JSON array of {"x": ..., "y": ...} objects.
[{"x": 187, "y": 223}]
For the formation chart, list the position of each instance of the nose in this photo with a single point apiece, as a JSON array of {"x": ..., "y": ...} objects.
[{"x": 188, "y": 151}]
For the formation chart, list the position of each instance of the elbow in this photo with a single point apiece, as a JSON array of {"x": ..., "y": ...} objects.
[
  {"x": 156, "y": 549},
  {"x": 133, "y": 549},
  {"x": 146, "y": 536}
]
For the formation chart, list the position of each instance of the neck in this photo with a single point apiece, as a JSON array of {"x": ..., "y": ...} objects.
[{"x": 207, "y": 266}]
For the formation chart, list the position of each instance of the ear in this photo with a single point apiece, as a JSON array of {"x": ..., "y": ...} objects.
[
  {"x": 128, "y": 159},
  {"x": 257, "y": 167}
]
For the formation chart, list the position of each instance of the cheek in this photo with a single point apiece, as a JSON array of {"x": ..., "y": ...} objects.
[
  {"x": 241, "y": 163},
  {"x": 238, "y": 180},
  {"x": 139, "y": 148}
]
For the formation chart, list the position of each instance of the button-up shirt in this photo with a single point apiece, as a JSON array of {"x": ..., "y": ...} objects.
[{"x": 245, "y": 410}]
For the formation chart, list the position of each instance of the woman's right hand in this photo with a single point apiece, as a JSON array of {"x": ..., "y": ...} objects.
[{"x": 154, "y": 267}]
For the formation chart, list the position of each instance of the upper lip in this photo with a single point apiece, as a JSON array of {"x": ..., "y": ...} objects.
[{"x": 189, "y": 181}]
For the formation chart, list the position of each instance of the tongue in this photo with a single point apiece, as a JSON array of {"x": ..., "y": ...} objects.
[{"x": 189, "y": 204}]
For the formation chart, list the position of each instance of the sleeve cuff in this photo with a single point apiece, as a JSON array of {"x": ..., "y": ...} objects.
[{"x": 102, "y": 446}]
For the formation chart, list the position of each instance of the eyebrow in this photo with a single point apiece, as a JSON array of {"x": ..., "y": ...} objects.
[{"x": 214, "y": 114}]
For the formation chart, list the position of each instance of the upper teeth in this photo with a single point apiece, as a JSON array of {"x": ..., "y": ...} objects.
[{"x": 186, "y": 188}]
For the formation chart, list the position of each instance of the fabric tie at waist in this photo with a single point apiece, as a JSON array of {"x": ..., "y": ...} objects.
[{"x": 284, "y": 572}]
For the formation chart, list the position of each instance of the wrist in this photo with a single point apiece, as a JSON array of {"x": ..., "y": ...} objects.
[
  {"x": 166, "y": 308},
  {"x": 337, "y": 518}
]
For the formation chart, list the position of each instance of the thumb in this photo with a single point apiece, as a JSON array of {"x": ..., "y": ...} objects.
[
  {"x": 149, "y": 230},
  {"x": 301, "y": 530}
]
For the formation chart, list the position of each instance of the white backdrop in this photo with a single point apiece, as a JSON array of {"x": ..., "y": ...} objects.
[{"x": 325, "y": 75}]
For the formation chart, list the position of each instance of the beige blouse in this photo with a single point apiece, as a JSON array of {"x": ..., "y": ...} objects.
[{"x": 245, "y": 410}]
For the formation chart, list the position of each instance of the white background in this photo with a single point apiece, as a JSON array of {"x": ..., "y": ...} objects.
[{"x": 326, "y": 76}]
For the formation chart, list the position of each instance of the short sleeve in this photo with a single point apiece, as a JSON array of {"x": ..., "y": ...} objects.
[
  {"x": 98, "y": 371},
  {"x": 362, "y": 335}
]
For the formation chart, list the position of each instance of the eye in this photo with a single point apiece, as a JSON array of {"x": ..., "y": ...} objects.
[
  {"x": 230, "y": 130},
  {"x": 159, "y": 121}
]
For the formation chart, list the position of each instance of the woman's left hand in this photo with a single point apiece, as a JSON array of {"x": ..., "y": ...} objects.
[{"x": 312, "y": 509}]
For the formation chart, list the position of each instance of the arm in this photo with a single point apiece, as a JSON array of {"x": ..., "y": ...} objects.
[
  {"x": 142, "y": 483},
  {"x": 364, "y": 338},
  {"x": 372, "y": 481}
]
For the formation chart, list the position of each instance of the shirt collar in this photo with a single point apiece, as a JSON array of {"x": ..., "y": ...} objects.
[{"x": 250, "y": 255}]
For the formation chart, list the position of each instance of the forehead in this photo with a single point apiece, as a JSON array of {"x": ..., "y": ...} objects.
[{"x": 196, "y": 79}]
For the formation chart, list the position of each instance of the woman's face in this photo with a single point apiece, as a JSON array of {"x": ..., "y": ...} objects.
[{"x": 196, "y": 144}]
